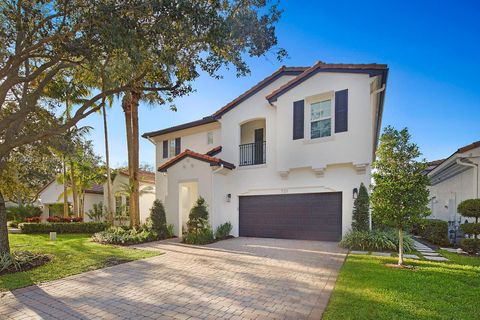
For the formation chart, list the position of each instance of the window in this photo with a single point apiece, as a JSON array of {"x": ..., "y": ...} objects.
[
  {"x": 171, "y": 148},
  {"x": 210, "y": 137},
  {"x": 118, "y": 203},
  {"x": 321, "y": 119},
  {"x": 127, "y": 204}
]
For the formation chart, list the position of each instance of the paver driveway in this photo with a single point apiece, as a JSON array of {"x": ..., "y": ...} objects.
[{"x": 239, "y": 278}]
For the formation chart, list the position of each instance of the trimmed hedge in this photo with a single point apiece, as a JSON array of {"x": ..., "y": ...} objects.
[
  {"x": 471, "y": 246},
  {"x": 434, "y": 231},
  {"x": 471, "y": 228},
  {"x": 64, "y": 227}
]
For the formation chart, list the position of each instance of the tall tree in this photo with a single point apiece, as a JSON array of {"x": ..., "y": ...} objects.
[
  {"x": 156, "y": 49},
  {"x": 400, "y": 194}
]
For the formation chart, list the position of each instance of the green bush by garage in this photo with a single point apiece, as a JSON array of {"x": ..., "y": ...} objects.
[{"x": 434, "y": 231}]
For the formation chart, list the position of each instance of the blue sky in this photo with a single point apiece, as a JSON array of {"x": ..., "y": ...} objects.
[{"x": 432, "y": 49}]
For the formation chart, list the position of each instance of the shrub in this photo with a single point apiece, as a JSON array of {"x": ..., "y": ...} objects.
[
  {"x": 471, "y": 208},
  {"x": 471, "y": 228},
  {"x": 471, "y": 246},
  {"x": 375, "y": 241},
  {"x": 33, "y": 220},
  {"x": 158, "y": 219},
  {"x": 223, "y": 231},
  {"x": 198, "y": 217},
  {"x": 170, "y": 231},
  {"x": 125, "y": 236},
  {"x": 63, "y": 227},
  {"x": 361, "y": 208},
  {"x": 97, "y": 212},
  {"x": 21, "y": 261},
  {"x": 21, "y": 213},
  {"x": 63, "y": 219},
  {"x": 202, "y": 236},
  {"x": 434, "y": 231},
  {"x": 14, "y": 224}
]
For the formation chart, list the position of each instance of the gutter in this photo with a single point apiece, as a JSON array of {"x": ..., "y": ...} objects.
[{"x": 475, "y": 168}]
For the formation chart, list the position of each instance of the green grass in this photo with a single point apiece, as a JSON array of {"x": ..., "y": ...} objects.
[
  {"x": 71, "y": 254},
  {"x": 366, "y": 289}
]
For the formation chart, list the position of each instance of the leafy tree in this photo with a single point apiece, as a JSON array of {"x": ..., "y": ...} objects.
[
  {"x": 158, "y": 218},
  {"x": 470, "y": 208},
  {"x": 154, "y": 51},
  {"x": 400, "y": 195},
  {"x": 198, "y": 217},
  {"x": 361, "y": 210}
]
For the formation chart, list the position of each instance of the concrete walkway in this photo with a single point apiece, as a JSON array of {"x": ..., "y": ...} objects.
[
  {"x": 242, "y": 278},
  {"x": 427, "y": 252}
]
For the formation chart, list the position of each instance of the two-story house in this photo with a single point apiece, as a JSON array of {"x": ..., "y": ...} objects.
[{"x": 284, "y": 159}]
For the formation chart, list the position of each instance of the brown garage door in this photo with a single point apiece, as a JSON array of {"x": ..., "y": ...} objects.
[{"x": 306, "y": 216}]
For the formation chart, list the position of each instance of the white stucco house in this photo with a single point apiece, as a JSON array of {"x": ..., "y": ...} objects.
[
  {"x": 52, "y": 194},
  {"x": 453, "y": 180},
  {"x": 282, "y": 160},
  {"x": 147, "y": 191}
]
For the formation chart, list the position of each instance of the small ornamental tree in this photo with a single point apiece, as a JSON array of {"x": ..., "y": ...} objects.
[
  {"x": 400, "y": 194},
  {"x": 198, "y": 217},
  {"x": 158, "y": 218},
  {"x": 361, "y": 208},
  {"x": 471, "y": 209}
]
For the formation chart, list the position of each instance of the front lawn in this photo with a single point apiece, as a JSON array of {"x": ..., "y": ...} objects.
[
  {"x": 71, "y": 254},
  {"x": 365, "y": 289}
]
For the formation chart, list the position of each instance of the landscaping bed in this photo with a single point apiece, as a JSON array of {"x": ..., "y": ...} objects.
[
  {"x": 365, "y": 289},
  {"x": 21, "y": 261}
]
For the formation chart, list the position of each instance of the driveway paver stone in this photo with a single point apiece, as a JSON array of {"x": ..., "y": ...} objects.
[{"x": 241, "y": 278}]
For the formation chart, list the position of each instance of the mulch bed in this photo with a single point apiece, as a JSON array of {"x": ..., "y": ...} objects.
[{"x": 27, "y": 261}]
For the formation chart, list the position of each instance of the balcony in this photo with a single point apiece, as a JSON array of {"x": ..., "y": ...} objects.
[
  {"x": 252, "y": 153},
  {"x": 252, "y": 143}
]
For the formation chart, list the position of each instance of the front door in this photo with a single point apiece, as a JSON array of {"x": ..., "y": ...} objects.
[{"x": 258, "y": 147}]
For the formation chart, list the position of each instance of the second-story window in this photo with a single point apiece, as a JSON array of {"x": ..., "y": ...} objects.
[
  {"x": 210, "y": 137},
  {"x": 171, "y": 148},
  {"x": 321, "y": 119}
]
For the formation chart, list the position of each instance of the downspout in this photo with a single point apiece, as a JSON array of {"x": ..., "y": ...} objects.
[
  {"x": 212, "y": 192},
  {"x": 475, "y": 169}
]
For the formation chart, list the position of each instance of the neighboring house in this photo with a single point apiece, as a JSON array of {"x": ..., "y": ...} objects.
[
  {"x": 283, "y": 160},
  {"x": 51, "y": 199},
  {"x": 147, "y": 191},
  {"x": 453, "y": 180}
]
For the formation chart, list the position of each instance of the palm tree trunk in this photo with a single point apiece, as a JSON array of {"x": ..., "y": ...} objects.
[
  {"x": 4, "y": 244},
  {"x": 127, "y": 109},
  {"x": 107, "y": 162},
  {"x": 74, "y": 190},
  {"x": 136, "y": 156},
  {"x": 65, "y": 189},
  {"x": 400, "y": 247}
]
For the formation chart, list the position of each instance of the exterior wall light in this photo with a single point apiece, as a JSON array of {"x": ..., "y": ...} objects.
[
  {"x": 355, "y": 193},
  {"x": 229, "y": 197}
]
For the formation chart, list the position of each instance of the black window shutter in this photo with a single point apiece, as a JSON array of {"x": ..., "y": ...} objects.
[
  {"x": 341, "y": 111},
  {"x": 298, "y": 122},
  {"x": 165, "y": 149},
  {"x": 178, "y": 146}
]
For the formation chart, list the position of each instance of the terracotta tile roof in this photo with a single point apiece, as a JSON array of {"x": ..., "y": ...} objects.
[
  {"x": 143, "y": 176},
  {"x": 213, "y": 118},
  {"x": 262, "y": 84},
  {"x": 187, "y": 125},
  {"x": 372, "y": 69},
  {"x": 96, "y": 188},
  {"x": 214, "y": 151},
  {"x": 202, "y": 157},
  {"x": 469, "y": 147}
]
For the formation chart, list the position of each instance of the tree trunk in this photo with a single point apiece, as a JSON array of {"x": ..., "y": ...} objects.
[
  {"x": 74, "y": 190},
  {"x": 136, "y": 150},
  {"x": 400, "y": 247},
  {"x": 127, "y": 109},
  {"x": 4, "y": 245},
  {"x": 65, "y": 189},
  {"x": 81, "y": 203},
  {"x": 109, "y": 205}
]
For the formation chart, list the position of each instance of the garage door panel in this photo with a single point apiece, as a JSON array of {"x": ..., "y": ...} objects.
[{"x": 312, "y": 216}]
